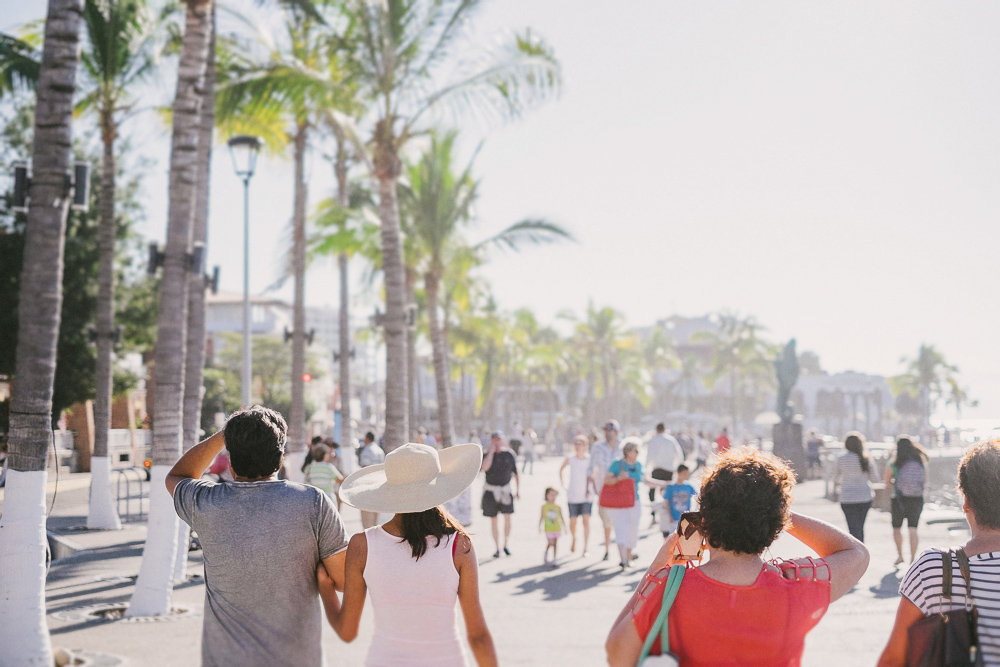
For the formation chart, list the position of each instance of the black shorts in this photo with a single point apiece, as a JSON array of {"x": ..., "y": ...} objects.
[
  {"x": 491, "y": 507},
  {"x": 906, "y": 507}
]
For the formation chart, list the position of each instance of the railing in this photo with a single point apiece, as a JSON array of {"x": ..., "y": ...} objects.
[{"x": 135, "y": 480}]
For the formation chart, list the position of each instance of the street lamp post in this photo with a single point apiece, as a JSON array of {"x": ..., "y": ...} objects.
[{"x": 244, "y": 150}]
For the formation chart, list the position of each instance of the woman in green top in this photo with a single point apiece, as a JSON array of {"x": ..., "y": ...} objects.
[
  {"x": 322, "y": 474},
  {"x": 552, "y": 521}
]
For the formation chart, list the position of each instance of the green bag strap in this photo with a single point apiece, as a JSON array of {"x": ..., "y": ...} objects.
[{"x": 661, "y": 626}]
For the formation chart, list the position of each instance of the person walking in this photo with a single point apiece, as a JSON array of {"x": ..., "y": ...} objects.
[
  {"x": 321, "y": 472},
  {"x": 921, "y": 588},
  {"x": 722, "y": 443},
  {"x": 262, "y": 539},
  {"x": 626, "y": 470},
  {"x": 579, "y": 496},
  {"x": 907, "y": 476},
  {"x": 814, "y": 457},
  {"x": 500, "y": 467},
  {"x": 552, "y": 522},
  {"x": 738, "y": 609},
  {"x": 528, "y": 450},
  {"x": 677, "y": 499},
  {"x": 416, "y": 566},
  {"x": 370, "y": 455},
  {"x": 663, "y": 455},
  {"x": 854, "y": 476},
  {"x": 702, "y": 450},
  {"x": 602, "y": 455}
]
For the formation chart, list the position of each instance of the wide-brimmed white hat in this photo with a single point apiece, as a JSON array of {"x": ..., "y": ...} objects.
[{"x": 413, "y": 478}]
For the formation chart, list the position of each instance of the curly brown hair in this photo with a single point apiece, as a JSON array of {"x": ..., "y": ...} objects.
[
  {"x": 979, "y": 479},
  {"x": 745, "y": 501}
]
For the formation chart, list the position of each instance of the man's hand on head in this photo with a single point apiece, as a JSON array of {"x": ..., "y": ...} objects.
[{"x": 194, "y": 462}]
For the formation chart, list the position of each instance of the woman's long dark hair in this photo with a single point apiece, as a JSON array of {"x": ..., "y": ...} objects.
[
  {"x": 419, "y": 526},
  {"x": 907, "y": 450},
  {"x": 855, "y": 443}
]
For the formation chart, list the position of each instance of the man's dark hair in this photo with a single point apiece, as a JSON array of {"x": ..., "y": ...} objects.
[
  {"x": 316, "y": 440},
  {"x": 369, "y": 436},
  {"x": 661, "y": 427},
  {"x": 255, "y": 439},
  {"x": 682, "y": 468},
  {"x": 745, "y": 501}
]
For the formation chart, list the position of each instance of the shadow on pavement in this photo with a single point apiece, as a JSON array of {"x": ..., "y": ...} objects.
[
  {"x": 557, "y": 583},
  {"x": 888, "y": 587}
]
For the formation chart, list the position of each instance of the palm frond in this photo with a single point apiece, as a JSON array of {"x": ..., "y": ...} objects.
[
  {"x": 526, "y": 232},
  {"x": 20, "y": 63}
]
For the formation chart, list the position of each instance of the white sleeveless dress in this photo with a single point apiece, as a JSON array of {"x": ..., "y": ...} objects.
[{"x": 414, "y": 602}]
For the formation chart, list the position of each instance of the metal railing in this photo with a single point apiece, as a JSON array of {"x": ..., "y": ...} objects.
[{"x": 135, "y": 480}]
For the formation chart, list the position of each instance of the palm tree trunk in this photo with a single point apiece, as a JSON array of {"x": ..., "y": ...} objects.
[
  {"x": 24, "y": 634},
  {"x": 442, "y": 369},
  {"x": 153, "y": 587},
  {"x": 340, "y": 171},
  {"x": 297, "y": 414},
  {"x": 413, "y": 402},
  {"x": 396, "y": 394},
  {"x": 196, "y": 291},
  {"x": 102, "y": 512}
]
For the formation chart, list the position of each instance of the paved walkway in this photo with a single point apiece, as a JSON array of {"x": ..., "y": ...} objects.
[{"x": 539, "y": 616}]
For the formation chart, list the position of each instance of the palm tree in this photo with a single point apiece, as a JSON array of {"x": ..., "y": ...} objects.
[
  {"x": 153, "y": 587},
  {"x": 24, "y": 634},
  {"x": 598, "y": 336},
  {"x": 195, "y": 362},
  {"x": 404, "y": 54},
  {"x": 282, "y": 93},
  {"x": 120, "y": 52},
  {"x": 925, "y": 378},
  {"x": 739, "y": 354}
]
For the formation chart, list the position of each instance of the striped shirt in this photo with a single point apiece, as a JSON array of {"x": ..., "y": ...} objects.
[
  {"x": 855, "y": 483},
  {"x": 922, "y": 587},
  {"x": 323, "y": 476}
]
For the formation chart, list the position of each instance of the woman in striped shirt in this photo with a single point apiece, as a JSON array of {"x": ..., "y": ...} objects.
[
  {"x": 978, "y": 479},
  {"x": 855, "y": 475}
]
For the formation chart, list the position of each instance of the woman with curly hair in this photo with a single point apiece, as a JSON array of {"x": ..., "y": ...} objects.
[{"x": 739, "y": 607}]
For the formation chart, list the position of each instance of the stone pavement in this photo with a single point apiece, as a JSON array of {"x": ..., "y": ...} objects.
[{"x": 538, "y": 615}]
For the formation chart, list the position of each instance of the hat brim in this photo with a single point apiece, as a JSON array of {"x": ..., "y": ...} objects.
[{"x": 367, "y": 489}]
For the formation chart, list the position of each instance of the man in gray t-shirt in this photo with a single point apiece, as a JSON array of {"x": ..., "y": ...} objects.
[{"x": 262, "y": 540}]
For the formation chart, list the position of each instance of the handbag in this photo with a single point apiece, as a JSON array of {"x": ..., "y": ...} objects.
[
  {"x": 948, "y": 637},
  {"x": 619, "y": 495},
  {"x": 661, "y": 627}
]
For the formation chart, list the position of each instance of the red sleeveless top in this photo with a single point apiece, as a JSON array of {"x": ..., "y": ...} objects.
[{"x": 712, "y": 623}]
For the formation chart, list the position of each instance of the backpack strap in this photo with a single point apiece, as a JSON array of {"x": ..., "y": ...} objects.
[{"x": 661, "y": 627}]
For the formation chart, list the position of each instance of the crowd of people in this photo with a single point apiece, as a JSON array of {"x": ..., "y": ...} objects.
[{"x": 265, "y": 581}]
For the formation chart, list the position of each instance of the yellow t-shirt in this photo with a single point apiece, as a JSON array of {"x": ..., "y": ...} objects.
[{"x": 553, "y": 523}]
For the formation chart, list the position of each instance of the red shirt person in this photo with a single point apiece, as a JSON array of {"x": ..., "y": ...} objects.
[{"x": 722, "y": 442}]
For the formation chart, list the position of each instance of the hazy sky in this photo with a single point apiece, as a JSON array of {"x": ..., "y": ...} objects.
[{"x": 828, "y": 167}]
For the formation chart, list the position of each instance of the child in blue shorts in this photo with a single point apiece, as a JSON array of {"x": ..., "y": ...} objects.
[{"x": 677, "y": 499}]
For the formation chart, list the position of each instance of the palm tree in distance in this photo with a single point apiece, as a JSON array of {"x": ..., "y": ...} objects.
[
  {"x": 406, "y": 49},
  {"x": 24, "y": 633},
  {"x": 926, "y": 376},
  {"x": 438, "y": 202}
]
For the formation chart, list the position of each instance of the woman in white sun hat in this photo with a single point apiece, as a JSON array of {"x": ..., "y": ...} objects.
[{"x": 416, "y": 565}]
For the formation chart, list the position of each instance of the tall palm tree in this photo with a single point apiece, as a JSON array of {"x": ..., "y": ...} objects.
[
  {"x": 120, "y": 52},
  {"x": 195, "y": 362},
  {"x": 24, "y": 634},
  {"x": 153, "y": 587},
  {"x": 282, "y": 92},
  {"x": 405, "y": 49},
  {"x": 439, "y": 203}
]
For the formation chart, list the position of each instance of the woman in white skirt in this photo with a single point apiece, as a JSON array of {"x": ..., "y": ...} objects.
[
  {"x": 626, "y": 519},
  {"x": 415, "y": 566}
]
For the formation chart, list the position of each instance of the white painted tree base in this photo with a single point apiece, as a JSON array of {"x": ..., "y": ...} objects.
[
  {"x": 103, "y": 513},
  {"x": 24, "y": 634},
  {"x": 181, "y": 560},
  {"x": 293, "y": 466},
  {"x": 154, "y": 586}
]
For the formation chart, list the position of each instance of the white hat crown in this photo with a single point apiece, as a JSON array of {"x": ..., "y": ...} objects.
[{"x": 412, "y": 464}]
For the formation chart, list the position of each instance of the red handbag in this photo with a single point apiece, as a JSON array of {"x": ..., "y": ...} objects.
[{"x": 619, "y": 495}]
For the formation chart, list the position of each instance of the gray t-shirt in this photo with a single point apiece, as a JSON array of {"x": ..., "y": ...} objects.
[{"x": 261, "y": 542}]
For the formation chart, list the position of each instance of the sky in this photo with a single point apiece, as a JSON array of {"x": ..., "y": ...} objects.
[{"x": 827, "y": 167}]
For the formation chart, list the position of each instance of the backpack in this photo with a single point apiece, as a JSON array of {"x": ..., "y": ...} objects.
[{"x": 910, "y": 479}]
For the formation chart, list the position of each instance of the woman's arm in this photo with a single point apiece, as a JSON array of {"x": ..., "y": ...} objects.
[
  {"x": 894, "y": 653},
  {"x": 887, "y": 478},
  {"x": 345, "y": 618},
  {"x": 846, "y": 556},
  {"x": 480, "y": 639}
]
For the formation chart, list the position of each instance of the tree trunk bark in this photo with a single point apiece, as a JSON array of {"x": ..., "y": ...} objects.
[
  {"x": 153, "y": 587},
  {"x": 24, "y": 634},
  {"x": 396, "y": 382},
  {"x": 412, "y": 400},
  {"x": 340, "y": 171},
  {"x": 102, "y": 513},
  {"x": 297, "y": 414},
  {"x": 195, "y": 361},
  {"x": 442, "y": 367}
]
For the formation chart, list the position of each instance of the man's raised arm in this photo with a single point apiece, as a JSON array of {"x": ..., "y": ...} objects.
[{"x": 195, "y": 461}]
